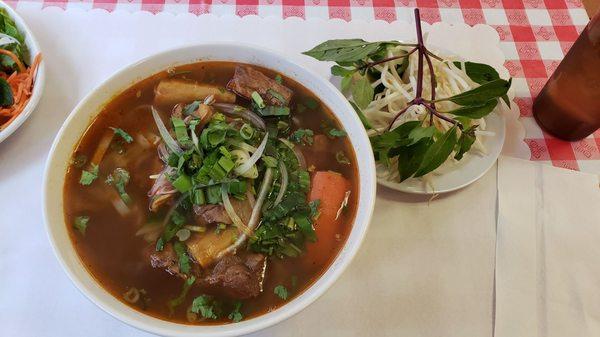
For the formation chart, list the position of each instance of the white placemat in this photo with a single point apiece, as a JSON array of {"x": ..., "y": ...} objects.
[
  {"x": 547, "y": 271},
  {"x": 424, "y": 270}
]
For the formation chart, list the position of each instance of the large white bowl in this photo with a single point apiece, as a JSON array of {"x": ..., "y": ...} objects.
[
  {"x": 38, "y": 84},
  {"x": 80, "y": 118}
]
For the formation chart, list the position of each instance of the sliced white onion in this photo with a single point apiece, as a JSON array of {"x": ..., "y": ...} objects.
[
  {"x": 240, "y": 170},
  {"x": 231, "y": 211},
  {"x": 297, "y": 153},
  {"x": 250, "y": 196},
  {"x": 284, "y": 183},
  {"x": 239, "y": 111},
  {"x": 7, "y": 39},
  {"x": 243, "y": 146},
  {"x": 164, "y": 133},
  {"x": 265, "y": 186}
]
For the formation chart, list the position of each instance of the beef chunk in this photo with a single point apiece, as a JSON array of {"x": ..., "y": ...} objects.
[
  {"x": 165, "y": 259},
  {"x": 246, "y": 80},
  {"x": 209, "y": 214},
  {"x": 239, "y": 277}
]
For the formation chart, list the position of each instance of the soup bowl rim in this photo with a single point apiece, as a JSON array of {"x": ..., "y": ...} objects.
[{"x": 55, "y": 171}]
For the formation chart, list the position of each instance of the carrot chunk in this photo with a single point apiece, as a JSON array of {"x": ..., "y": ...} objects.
[{"x": 330, "y": 189}]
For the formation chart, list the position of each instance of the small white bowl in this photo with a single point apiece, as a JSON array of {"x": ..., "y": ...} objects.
[
  {"x": 86, "y": 110},
  {"x": 38, "y": 84}
]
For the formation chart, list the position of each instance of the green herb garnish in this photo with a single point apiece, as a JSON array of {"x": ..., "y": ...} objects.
[
  {"x": 81, "y": 223},
  {"x": 119, "y": 179},
  {"x": 206, "y": 306},
  {"x": 236, "y": 315},
  {"x": 88, "y": 176},
  {"x": 120, "y": 132},
  {"x": 302, "y": 136},
  {"x": 281, "y": 291}
]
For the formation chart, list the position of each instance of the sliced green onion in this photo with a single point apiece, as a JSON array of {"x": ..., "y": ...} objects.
[
  {"x": 198, "y": 197},
  {"x": 246, "y": 131},
  {"x": 226, "y": 163},
  {"x": 258, "y": 100},
  {"x": 181, "y": 131},
  {"x": 183, "y": 183},
  {"x": 304, "y": 180},
  {"x": 237, "y": 187}
]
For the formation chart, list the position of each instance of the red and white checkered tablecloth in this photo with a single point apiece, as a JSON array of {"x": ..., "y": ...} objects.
[{"x": 535, "y": 35}]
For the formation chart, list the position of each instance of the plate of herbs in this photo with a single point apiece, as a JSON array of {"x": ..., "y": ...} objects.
[{"x": 434, "y": 119}]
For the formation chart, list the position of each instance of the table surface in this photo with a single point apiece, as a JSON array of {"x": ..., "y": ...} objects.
[{"x": 534, "y": 37}]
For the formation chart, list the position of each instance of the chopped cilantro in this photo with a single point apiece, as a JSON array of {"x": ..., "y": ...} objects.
[
  {"x": 182, "y": 256},
  {"x": 206, "y": 306},
  {"x": 278, "y": 79},
  {"x": 79, "y": 160},
  {"x": 81, "y": 223},
  {"x": 235, "y": 314},
  {"x": 341, "y": 158},
  {"x": 88, "y": 176},
  {"x": 337, "y": 133},
  {"x": 281, "y": 291},
  {"x": 120, "y": 132},
  {"x": 302, "y": 136},
  {"x": 119, "y": 179}
]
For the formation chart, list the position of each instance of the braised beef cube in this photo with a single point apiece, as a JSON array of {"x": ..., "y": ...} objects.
[
  {"x": 247, "y": 80},
  {"x": 237, "y": 277}
]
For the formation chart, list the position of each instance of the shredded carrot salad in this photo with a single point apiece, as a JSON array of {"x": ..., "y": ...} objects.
[{"x": 21, "y": 83}]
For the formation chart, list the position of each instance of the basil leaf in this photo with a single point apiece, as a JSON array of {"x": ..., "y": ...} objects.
[
  {"x": 475, "y": 111},
  {"x": 398, "y": 137},
  {"x": 362, "y": 116},
  {"x": 344, "y": 50},
  {"x": 506, "y": 99},
  {"x": 479, "y": 72},
  {"x": 341, "y": 71},
  {"x": 466, "y": 140},
  {"x": 481, "y": 94},
  {"x": 362, "y": 92},
  {"x": 346, "y": 83},
  {"x": 411, "y": 157},
  {"x": 437, "y": 153},
  {"x": 6, "y": 94},
  {"x": 419, "y": 133}
]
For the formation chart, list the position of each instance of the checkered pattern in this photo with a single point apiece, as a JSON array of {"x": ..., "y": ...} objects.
[{"x": 535, "y": 35}]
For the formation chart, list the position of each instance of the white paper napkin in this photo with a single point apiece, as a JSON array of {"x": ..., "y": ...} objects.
[
  {"x": 548, "y": 251},
  {"x": 426, "y": 269}
]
